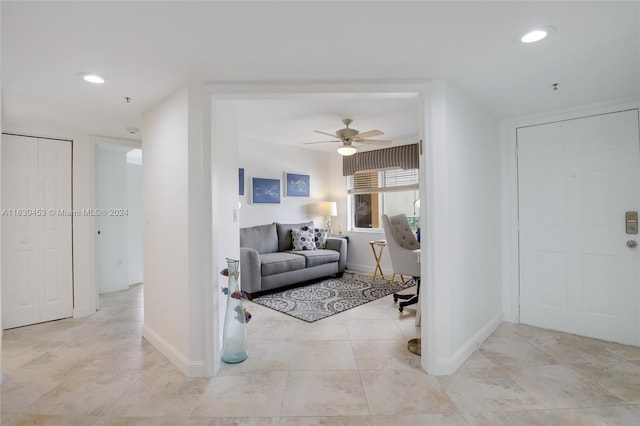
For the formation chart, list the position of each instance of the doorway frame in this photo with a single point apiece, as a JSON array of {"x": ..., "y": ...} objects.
[
  {"x": 262, "y": 90},
  {"x": 113, "y": 142},
  {"x": 510, "y": 201}
]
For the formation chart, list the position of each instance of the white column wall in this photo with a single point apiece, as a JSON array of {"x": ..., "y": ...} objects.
[
  {"x": 176, "y": 199},
  {"x": 463, "y": 288},
  {"x": 200, "y": 214},
  {"x": 165, "y": 234},
  {"x": 226, "y": 211}
]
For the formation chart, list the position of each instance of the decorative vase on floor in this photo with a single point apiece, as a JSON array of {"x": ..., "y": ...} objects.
[{"x": 234, "y": 336}]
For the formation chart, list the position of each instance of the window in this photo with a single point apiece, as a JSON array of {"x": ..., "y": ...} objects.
[{"x": 373, "y": 193}]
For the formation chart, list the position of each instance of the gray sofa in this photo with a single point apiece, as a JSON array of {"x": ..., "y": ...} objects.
[{"x": 268, "y": 261}]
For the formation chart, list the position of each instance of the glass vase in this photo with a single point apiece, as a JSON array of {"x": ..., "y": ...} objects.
[{"x": 234, "y": 335}]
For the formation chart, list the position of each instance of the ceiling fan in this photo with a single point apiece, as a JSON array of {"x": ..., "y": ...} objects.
[{"x": 348, "y": 136}]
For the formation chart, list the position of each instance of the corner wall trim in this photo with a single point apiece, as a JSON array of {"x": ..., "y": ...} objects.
[
  {"x": 83, "y": 311},
  {"x": 445, "y": 367},
  {"x": 188, "y": 368}
]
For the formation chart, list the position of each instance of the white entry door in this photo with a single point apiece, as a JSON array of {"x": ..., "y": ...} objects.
[
  {"x": 37, "y": 282},
  {"x": 576, "y": 180}
]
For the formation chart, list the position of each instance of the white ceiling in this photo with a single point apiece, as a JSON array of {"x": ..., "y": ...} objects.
[{"x": 147, "y": 50}]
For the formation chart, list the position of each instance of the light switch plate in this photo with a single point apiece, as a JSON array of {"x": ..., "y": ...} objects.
[{"x": 631, "y": 222}]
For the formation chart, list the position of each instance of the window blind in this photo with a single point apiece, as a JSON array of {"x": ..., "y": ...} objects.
[
  {"x": 403, "y": 157},
  {"x": 374, "y": 181}
]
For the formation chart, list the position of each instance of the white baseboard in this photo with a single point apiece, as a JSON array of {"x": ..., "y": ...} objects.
[
  {"x": 189, "y": 368},
  {"x": 365, "y": 269},
  {"x": 445, "y": 367},
  {"x": 83, "y": 311}
]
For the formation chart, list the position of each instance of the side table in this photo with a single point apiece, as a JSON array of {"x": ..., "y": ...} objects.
[{"x": 377, "y": 247}]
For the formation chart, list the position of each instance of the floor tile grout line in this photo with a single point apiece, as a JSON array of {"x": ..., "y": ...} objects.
[{"x": 284, "y": 393}]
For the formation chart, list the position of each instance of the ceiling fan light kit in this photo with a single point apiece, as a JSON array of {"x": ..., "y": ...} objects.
[
  {"x": 347, "y": 150},
  {"x": 348, "y": 135}
]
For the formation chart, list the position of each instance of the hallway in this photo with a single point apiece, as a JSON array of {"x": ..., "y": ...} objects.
[{"x": 350, "y": 369}]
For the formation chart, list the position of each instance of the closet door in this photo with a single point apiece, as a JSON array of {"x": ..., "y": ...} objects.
[
  {"x": 54, "y": 183},
  {"x": 20, "y": 275},
  {"x": 37, "y": 280}
]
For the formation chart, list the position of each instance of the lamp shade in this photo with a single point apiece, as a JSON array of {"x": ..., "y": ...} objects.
[
  {"x": 347, "y": 150},
  {"x": 328, "y": 208}
]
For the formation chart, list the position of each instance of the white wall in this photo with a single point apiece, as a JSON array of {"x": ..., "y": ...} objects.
[
  {"x": 165, "y": 196},
  {"x": 463, "y": 235},
  {"x": 134, "y": 223},
  {"x": 112, "y": 243},
  {"x": 175, "y": 189},
  {"x": 269, "y": 160}
]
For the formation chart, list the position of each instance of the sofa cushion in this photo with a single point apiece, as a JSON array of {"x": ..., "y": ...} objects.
[
  {"x": 320, "y": 237},
  {"x": 276, "y": 263},
  {"x": 284, "y": 233},
  {"x": 262, "y": 238},
  {"x": 319, "y": 257},
  {"x": 303, "y": 240}
]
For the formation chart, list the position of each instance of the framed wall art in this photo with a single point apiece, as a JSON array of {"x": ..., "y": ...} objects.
[
  {"x": 265, "y": 190},
  {"x": 297, "y": 185},
  {"x": 240, "y": 181}
]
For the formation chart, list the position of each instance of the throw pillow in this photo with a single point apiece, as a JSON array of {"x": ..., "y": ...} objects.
[
  {"x": 320, "y": 237},
  {"x": 284, "y": 233},
  {"x": 303, "y": 240}
]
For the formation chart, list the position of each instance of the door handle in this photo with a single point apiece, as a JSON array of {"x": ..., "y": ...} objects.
[{"x": 632, "y": 244}]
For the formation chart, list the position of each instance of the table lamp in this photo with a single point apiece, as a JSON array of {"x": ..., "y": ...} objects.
[{"x": 328, "y": 209}]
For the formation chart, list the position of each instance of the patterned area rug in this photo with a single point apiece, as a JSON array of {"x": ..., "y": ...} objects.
[{"x": 321, "y": 299}]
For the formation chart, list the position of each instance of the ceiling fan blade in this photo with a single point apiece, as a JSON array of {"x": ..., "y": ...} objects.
[
  {"x": 374, "y": 142},
  {"x": 311, "y": 143},
  {"x": 369, "y": 134},
  {"x": 325, "y": 133}
]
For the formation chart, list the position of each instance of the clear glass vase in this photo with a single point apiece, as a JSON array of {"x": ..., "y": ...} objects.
[{"x": 234, "y": 335}]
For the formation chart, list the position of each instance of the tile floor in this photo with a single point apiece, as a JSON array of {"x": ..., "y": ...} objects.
[{"x": 349, "y": 369}]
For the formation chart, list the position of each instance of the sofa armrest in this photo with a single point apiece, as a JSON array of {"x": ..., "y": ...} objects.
[
  {"x": 339, "y": 245},
  {"x": 250, "y": 270}
]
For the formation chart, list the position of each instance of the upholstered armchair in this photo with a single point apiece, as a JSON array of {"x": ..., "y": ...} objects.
[{"x": 404, "y": 251}]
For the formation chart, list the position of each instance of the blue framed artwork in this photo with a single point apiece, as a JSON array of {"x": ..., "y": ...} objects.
[
  {"x": 297, "y": 185},
  {"x": 266, "y": 190},
  {"x": 240, "y": 181}
]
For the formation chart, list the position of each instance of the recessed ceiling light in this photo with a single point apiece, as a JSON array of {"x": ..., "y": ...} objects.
[
  {"x": 536, "y": 35},
  {"x": 92, "y": 78}
]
